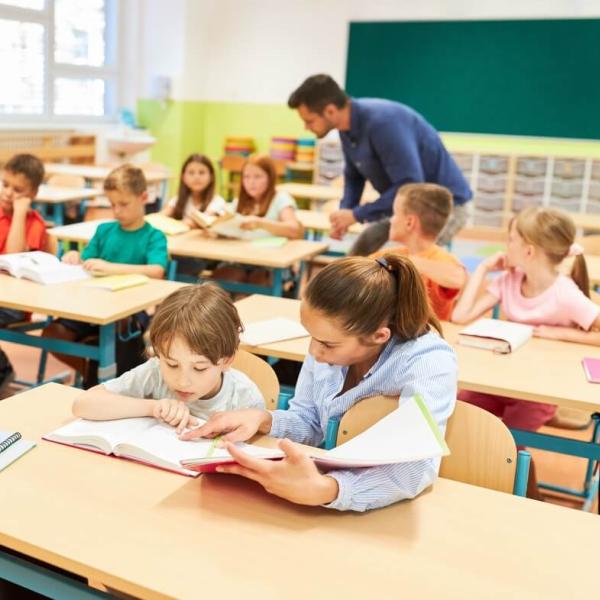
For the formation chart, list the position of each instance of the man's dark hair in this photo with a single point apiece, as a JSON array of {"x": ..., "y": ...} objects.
[
  {"x": 29, "y": 166},
  {"x": 317, "y": 92}
]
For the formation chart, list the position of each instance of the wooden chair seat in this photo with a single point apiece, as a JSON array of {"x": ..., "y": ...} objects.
[{"x": 570, "y": 419}]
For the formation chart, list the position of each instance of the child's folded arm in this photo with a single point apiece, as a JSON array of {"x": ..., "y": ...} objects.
[{"x": 98, "y": 404}]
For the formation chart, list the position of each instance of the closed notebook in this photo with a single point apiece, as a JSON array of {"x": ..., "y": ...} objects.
[
  {"x": 166, "y": 224},
  {"x": 117, "y": 282},
  {"x": 496, "y": 335},
  {"x": 272, "y": 330},
  {"x": 11, "y": 448},
  {"x": 591, "y": 366},
  {"x": 144, "y": 440},
  {"x": 407, "y": 434}
]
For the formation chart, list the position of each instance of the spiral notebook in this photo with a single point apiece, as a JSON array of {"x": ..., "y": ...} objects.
[{"x": 12, "y": 447}]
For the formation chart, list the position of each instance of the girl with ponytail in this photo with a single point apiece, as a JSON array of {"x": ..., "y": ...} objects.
[
  {"x": 532, "y": 290},
  {"x": 373, "y": 332}
]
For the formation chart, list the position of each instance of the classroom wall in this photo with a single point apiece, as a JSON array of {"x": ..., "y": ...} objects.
[{"x": 234, "y": 63}]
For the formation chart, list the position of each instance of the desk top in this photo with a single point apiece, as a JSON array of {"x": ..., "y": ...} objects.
[
  {"x": 587, "y": 222},
  {"x": 196, "y": 245},
  {"x": 74, "y": 301},
  {"x": 541, "y": 370},
  {"x": 98, "y": 173},
  {"x": 155, "y": 534},
  {"x": 312, "y": 191},
  {"x": 58, "y": 195},
  {"x": 319, "y": 221}
]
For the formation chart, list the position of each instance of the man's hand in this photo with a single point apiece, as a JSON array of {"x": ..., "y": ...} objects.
[{"x": 340, "y": 222}]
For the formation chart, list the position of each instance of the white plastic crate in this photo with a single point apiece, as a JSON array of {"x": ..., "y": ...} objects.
[
  {"x": 521, "y": 201},
  {"x": 593, "y": 207},
  {"x": 493, "y": 164},
  {"x": 566, "y": 188},
  {"x": 568, "y": 168},
  {"x": 530, "y": 185},
  {"x": 491, "y": 183},
  {"x": 488, "y": 200},
  {"x": 594, "y": 191},
  {"x": 568, "y": 204},
  {"x": 487, "y": 218},
  {"x": 532, "y": 166},
  {"x": 464, "y": 161}
]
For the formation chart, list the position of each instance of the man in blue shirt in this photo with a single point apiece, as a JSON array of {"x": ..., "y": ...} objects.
[{"x": 386, "y": 143}]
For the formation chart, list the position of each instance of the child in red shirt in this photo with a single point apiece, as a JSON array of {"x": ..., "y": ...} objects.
[{"x": 21, "y": 228}]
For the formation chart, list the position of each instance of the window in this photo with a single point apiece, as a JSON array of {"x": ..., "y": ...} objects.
[{"x": 58, "y": 58}]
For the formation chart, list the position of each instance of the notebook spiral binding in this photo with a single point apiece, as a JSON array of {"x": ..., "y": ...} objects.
[{"x": 9, "y": 441}]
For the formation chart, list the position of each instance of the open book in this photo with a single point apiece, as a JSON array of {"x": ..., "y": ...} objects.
[
  {"x": 405, "y": 435},
  {"x": 166, "y": 224},
  {"x": 272, "y": 330},
  {"x": 228, "y": 225},
  {"x": 147, "y": 441},
  {"x": 41, "y": 267},
  {"x": 496, "y": 335}
]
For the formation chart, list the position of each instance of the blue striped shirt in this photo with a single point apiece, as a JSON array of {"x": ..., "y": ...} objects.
[{"x": 425, "y": 366}]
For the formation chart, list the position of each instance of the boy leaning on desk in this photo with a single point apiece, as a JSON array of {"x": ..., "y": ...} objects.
[{"x": 21, "y": 229}]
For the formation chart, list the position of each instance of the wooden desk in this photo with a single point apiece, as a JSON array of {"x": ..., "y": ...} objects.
[
  {"x": 318, "y": 222},
  {"x": 593, "y": 266},
  {"x": 94, "y": 173},
  {"x": 541, "y": 370},
  {"x": 587, "y": 222},
  {"x": 158, "y": 535},
  {"x": 195, "y": 244},
  {"x": 59, "y": 196},
  {"x": 321, "y": 193},
  {"x": 74, "y": 301}
]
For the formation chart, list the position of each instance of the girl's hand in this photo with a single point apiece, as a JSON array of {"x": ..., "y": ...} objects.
[
  {"x": 251, "y": 222},
  {"x": 496, "y": 262},
  {"x": 295, "y": 478},
  {"x": 190, "y": 223},
  {"x": 98, "y": 265},
  {"x": 233, "y": 425},
  {"x": 173, "y": 412},
  {"x": 71, "y": 258}
]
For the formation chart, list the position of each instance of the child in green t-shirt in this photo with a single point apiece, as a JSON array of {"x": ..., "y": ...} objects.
[{"x": 126, "y": 245}]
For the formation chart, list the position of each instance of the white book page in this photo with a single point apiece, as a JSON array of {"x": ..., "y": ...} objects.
[
  {"x": 37, "y": 260},
  {"x": 272, "y": 330},
  {"x": 82, "y": 431},
  {"x": 60, "y": 273},
  {"x": 402, "y": 436},
  {"x": 160, "y": 444}
]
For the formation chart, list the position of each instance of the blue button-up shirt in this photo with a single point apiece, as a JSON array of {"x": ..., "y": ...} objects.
[
  {"x": 425, "y": 366},
  {"x": 389, "y": 144}
]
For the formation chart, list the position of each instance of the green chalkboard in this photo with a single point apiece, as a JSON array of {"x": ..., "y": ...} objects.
[{"x": 535, "y": 77}]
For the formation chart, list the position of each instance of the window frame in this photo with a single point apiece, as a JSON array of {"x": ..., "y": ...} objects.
[{"x": 109, "y": 72}]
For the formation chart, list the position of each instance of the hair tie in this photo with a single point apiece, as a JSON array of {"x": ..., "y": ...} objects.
[
  {"x": 575, "y": 249},
  {"x": 384, "y": 263}
]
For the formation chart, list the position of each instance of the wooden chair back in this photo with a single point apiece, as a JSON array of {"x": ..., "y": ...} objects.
[
  {"x": 262, "y": 375},
  {"x": 483, "y": 451}
]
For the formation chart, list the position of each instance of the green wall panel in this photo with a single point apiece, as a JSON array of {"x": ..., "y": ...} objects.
[{"x": 528, "y": 77}]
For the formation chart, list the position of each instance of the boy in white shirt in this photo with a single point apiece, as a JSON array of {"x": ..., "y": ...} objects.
[{"x": 195, "y": 335}]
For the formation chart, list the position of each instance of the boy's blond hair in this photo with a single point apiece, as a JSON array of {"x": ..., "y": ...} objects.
[
  {"x": 202, "y": 315},
  {"x": 431, "y": 202},
  {"x": 126, "y": 179}
]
